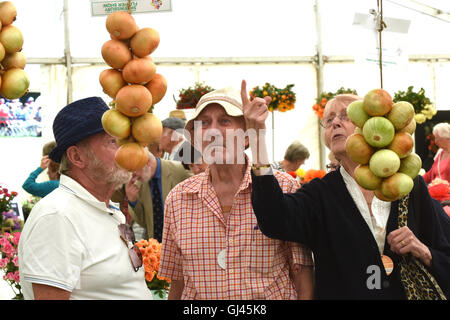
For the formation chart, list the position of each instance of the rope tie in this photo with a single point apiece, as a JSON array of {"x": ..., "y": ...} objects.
[{"x": 380, "y": 25}]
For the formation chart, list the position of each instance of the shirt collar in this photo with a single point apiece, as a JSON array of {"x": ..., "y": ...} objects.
[{"x": 70, "y": 185}]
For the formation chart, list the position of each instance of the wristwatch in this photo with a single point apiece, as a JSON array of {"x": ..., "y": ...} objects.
[
  {"x": 263, "y": 169},
  {"x": 259, "y": 167}
]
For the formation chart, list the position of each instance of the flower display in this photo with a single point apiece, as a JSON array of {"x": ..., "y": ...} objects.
[
  {"x": 312, "y": 174},
  {"x": 12, "y": 221},
  {"x": 439, "y": 189},
  {"x": 423, "y": 107},
  {"x": 300, "y": 173},
  {"x": 324, "y": 97},
  {"x": 9, "y": 262},
  {"x": 151, "y": 254},
  {"x": 282, "y": 99},
  {"x": 6, "y": 198},
  {"x": 188, "y": 98}
]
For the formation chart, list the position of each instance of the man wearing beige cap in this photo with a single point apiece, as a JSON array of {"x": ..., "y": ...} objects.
[{"x": 212, "y": 245}]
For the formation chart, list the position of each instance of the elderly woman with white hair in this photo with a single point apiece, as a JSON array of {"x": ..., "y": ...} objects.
[
  {"x": 441, "y": 165},
  {"x": 362, "y": 246}
]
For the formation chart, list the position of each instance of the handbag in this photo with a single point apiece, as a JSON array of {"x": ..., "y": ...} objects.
[{"x": 418, "y": 282}]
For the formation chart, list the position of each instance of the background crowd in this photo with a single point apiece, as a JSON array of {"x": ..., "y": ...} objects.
[{"x": 19, "y": 119}]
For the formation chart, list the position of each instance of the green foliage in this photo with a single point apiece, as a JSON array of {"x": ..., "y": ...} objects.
[{"x": 417, "y": 99}]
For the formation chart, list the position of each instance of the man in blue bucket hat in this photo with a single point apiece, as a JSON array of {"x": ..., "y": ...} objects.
[{"x": 75, "y": 243}]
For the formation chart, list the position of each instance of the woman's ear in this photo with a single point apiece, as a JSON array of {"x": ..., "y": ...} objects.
[{"x": 77, "y": 157}]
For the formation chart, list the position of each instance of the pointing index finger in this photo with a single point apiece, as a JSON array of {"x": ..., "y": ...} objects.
[{"x": 244, "y": 95}]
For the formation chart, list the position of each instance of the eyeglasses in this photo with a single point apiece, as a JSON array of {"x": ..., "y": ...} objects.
[
  {"x": 332, "y": 167},
  {"x": 326, "y": 123},
  {"x": 127, "y": 235}
]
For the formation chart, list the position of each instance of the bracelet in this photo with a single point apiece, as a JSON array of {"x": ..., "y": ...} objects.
[{"x": 263, "y": 166}]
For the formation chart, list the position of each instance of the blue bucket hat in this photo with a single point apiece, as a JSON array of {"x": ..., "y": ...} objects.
[{"x": 75, "y": 122}]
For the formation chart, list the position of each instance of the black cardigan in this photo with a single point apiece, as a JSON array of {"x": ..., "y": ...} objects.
[{"x": 323, "y": 216}]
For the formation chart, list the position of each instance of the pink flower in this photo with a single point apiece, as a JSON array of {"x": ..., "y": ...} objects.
[
  {"x": 9, "y": 250},
  {"x": 10, "y": 276},
  {"x": 16, "y": 238},
  {"x": 3, "y": 241},
  {"x": 16, "y": 277},
  {"x": 3, "y": 262},
  {"x": 15, "y": 261}
]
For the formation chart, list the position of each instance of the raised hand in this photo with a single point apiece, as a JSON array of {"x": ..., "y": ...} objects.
[
  {"x": 255, "y": 114},
  {"x": 255, "y": 111},
  {"x": 45, "y": 161},
  {"x": 132, "y": 188}
]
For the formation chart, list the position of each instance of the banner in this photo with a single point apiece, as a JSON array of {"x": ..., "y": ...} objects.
[{"x": 102, "y": 7}]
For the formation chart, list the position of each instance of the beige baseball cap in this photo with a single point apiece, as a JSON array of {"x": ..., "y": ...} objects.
[{"x": 229, "y": 98}]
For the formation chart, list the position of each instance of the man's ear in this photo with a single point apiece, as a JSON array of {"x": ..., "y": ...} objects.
[{"x": 77, "y": 157}]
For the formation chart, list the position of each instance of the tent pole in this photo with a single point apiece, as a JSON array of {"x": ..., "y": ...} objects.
[
  {"x": 319, "y": 79},
  {"x": 68, "y": 57}
]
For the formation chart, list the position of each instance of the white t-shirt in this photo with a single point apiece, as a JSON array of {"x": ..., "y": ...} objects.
[{"x": 72, "y": 241}]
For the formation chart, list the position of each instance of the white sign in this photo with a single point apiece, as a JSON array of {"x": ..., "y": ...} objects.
[
  {"x": 394, "y": 41},
  {"x": 103, "y": 7}
]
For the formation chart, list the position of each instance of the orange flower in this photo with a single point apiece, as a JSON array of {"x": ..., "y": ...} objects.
[
  {"x": 151, "y": 254},
  {"x": 311, "y": 174},
  {"x": 149, "y": 276},
  {"x": 163, "y": 278},
  {"x": 141, "y": 244}
]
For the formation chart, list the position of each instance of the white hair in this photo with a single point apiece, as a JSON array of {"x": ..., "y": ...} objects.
[{"x": 442, "y": 130}]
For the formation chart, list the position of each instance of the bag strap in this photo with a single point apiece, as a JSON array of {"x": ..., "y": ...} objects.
[
  {"x": 403, "y": 208},
  {"x": 417, "y": 209}
]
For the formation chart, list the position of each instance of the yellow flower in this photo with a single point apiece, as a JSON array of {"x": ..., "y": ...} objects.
[
  {"x": 300, "y": 172},
  {"x": 420, "y": 118}
]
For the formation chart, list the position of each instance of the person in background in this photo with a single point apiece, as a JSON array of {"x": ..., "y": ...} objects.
[
  {"x": 350, "y": 231},
  {"x": 154, "y": 149},
  {"x": 296, "y": 155},
  {"x": 41, "y": 189},
  {"x": 147, "y": 190},
  {"x": 212, "y": 246},
  {"x": 75, "y": 243},
  {"x": 171, "y": 141},
  {"x": 441, "y": 165},
  {"x": 193, "y": 161}
]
